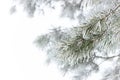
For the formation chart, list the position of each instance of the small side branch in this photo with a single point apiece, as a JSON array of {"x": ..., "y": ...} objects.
[
  {"x": 111, "y": 11},
  {"x": 107, "y": 57}
]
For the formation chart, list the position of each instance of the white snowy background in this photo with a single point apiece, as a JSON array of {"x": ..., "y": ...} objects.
[{"x": 20, "y": 59}]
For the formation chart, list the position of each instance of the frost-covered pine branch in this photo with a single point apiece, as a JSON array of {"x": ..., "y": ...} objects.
[{"x": 78, "y": 44}]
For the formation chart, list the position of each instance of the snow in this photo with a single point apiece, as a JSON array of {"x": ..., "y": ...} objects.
[{"x": 20, "y": 59}]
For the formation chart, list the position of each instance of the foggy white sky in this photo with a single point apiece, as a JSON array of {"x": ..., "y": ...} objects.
[{"x": 20, "y": 59}]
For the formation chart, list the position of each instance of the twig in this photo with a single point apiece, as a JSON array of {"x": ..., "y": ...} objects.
[
  {"x": 106, "y": 57},
  {"x": 113, "y": 11}
]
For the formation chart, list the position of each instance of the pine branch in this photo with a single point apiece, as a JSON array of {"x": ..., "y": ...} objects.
[{"x": 77, "y": 45}]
